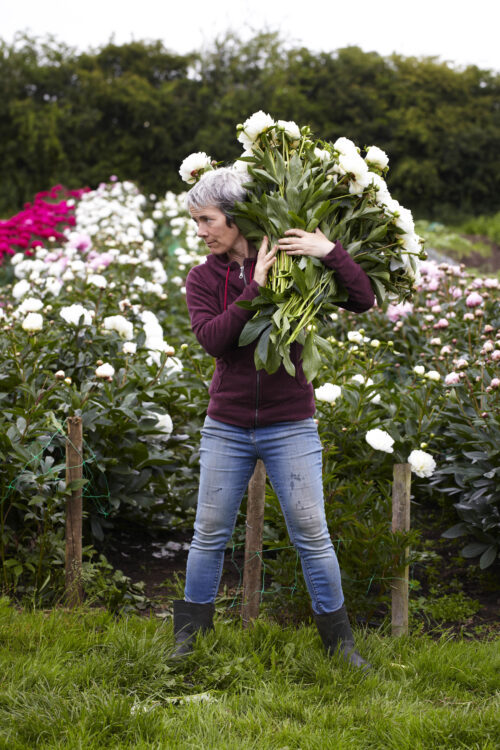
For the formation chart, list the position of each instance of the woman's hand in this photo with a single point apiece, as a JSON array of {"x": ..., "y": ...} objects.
[
  {"x": 264, "y": 262},
  {"x": 300, "y": 242}
]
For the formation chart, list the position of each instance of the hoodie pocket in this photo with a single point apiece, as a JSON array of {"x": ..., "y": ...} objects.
[{"x": 217, "y": 378}]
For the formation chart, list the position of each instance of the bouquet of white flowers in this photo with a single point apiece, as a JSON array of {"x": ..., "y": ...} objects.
[{"x": 297, "y": 182}]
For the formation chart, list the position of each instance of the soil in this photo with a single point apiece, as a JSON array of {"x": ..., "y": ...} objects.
[{"x": 133, "y": 550}]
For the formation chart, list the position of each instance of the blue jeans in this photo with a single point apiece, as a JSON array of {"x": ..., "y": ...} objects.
[{"x": 291, "y": 452}]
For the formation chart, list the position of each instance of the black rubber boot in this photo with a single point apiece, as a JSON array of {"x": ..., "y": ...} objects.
[
  {"x": 189, "y": 618},
  {"x": 336, "y": 634}
]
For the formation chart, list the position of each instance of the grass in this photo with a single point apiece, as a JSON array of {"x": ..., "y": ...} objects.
[{"x": 84, "y": 679}]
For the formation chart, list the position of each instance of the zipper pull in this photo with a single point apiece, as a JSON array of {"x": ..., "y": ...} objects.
[{"x": 241, "y": 272}]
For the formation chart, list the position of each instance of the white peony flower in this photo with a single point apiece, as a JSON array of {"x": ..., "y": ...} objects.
[
  {"x": 328, "y": 392},
  {"x": 193, "y": 164},
  {"x": 433, "y": 375},
  {"x": 31, "y": 304},
  {"x": 422, "y": 464},
  {"x": 380, "y": 440},
  {"x": 419, "y": 370},
  {"x": 352, "y": 163},
  {"x": 345, "y": 146},
  {"x": 97, "y": 280},
  {"x": 129, "y": 347},
  {"x": 377, "y": 157},
  {"x": 121, "y": 325},
  {"x": 21, "y": 288},
  {"x": 291, "y": 129},
  {"x": 258, "y": 123},
  {"x": 355, "y": 336},
  {"x": 105, "y": 371},
  {"x": 73, "y": 313},
  {"x": 164, "y": 423},
  {"x": 33, "y": 322}
]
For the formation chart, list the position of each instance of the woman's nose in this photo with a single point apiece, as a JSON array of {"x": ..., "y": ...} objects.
[{"x": 202, "y": 231}]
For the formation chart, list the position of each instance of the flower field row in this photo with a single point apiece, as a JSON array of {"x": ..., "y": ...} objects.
[{"x": 97, "y": 325}]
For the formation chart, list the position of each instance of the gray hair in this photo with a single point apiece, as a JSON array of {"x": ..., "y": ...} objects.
[{"x": 221, "y": 188}]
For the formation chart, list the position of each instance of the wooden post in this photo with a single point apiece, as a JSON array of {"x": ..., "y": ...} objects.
[
  {"x": 253, "y": 545},
  {"x": 74, "y": 465},
  {"x": 401, "y": 522}
]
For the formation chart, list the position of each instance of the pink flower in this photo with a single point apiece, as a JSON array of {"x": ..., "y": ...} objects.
[
  {"x": 461, "y": 363},
  {"x": 452, "y": 378},
  {"x": 495, "y": 382},
  {"x": 468, "y": 316},
  {"x": 401, "y": 310},
  {"x": 456, "y": 292},
  {"x": 474, "y": 299},
  {"x": 496, "y": 355},
  {"x": 442, "y": 323}
]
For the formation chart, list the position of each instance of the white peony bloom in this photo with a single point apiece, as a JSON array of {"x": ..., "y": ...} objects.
[
  {"x": 121, "y": 325},
  {"x": 291, "y": 129},
  {"x": 345, "y": 146},
  {"x": 355, "y": 336},
  {"x": 31, "y": 304},
  {"x": 73, "y": 313},
  {"x": 33, "y": 322},
  {"x": 377, "y": 157},
  {"x": 322, "y": 154},
  {"x": 105, "y": 371},
  {"x": 129, "y": 347},
  {"x": 97, "y": 280},
  {"x": 433, "y": 375},
  {"x": 53, "y": 286},
  {"x": 21, "y": 288},
  {"x": 328, "y": 392},
  {"x": 352, "y": 163},
  {"x": 192, "y": 164},
  {"x": 419, "y": 370},
  {"x": 422, "y": 464},
  {"x": 164, "y": 423},
  {"x": 253, "y": 127},
  {"x": 380, "y": 440}
]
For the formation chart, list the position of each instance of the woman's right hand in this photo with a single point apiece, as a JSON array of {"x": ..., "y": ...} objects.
[{"x": 264, "y": 262}]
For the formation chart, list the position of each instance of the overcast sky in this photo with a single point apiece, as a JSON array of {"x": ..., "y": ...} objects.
[{"x": 453, "y": 30}]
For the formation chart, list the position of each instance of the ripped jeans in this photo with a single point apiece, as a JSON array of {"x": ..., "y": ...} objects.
[{"x": 291, "y": 452}]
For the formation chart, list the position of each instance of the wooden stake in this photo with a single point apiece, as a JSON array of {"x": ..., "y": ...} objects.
[
  {"x": 401, "y": 522},
  {"x": 74, "y": 466},
  {"x": 253, "y": 545}
]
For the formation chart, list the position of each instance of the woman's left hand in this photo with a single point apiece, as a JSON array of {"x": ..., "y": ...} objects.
[{"x": 300, "y": 242}]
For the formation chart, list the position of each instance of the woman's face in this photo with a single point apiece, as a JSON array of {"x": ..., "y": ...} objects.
[{"x": 213, "y": 229}]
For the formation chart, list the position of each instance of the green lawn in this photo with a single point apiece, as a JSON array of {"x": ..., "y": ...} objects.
[{"x": 85, "y": 679}]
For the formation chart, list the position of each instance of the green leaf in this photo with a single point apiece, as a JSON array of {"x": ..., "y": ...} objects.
[
  {"x": 455, "y": 531},
  {"x": 263, "y": 345},
  {"x": 75, "y": 484},
  {"x": 299, "y": 279},
  {"x": 488, "y": 557},
  {"x": 252, "y": 330},
  {"x": 311, "y": 361},
  {"x": 474, "y": 549}
]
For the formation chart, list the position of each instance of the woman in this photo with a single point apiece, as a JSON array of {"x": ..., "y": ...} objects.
[{"x": 254, "y": 415}]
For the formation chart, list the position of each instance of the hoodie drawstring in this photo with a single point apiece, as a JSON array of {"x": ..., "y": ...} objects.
[{"x": 225, "y": 288}]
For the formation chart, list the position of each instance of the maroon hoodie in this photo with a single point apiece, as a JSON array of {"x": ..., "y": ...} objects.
[{"x": 239, "y": 394}]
